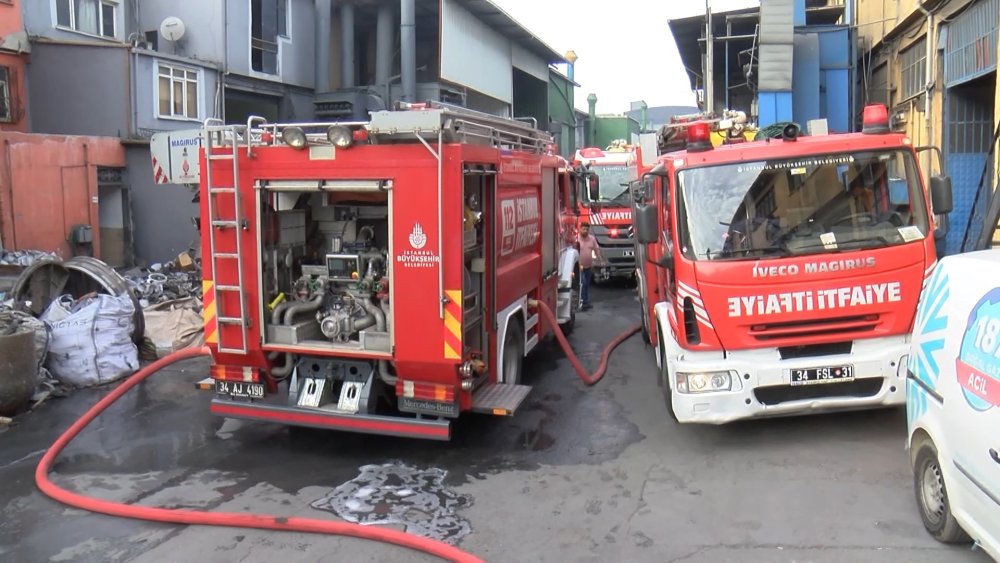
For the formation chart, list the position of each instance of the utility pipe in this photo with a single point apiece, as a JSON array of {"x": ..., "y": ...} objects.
[
  {"x": 323, "y": 45},
  {"x": 383, "y": 45},
  {"x": 347, "y": 45},
  {"x": 408, "y": 49}
]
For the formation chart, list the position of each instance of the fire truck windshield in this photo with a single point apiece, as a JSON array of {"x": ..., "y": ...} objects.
[
  {"x": 806, "y": 205},
  {"x": 614, "y": 179}
]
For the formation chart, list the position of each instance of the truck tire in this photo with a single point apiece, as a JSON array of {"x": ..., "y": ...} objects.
[
  {"x": 513, "y": 352},
  {"x": 932, "y": 497},
  {"x": 668, "y": 395}
]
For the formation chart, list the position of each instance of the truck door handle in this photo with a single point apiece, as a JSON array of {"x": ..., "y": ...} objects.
[{"x": 995, "y": 455}]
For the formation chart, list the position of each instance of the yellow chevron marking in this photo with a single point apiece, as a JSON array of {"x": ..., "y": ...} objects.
[
  {"x": 454, "y": 295},
  {"x": 452, "y": 324},
  {"x": 450, "y": 353}
]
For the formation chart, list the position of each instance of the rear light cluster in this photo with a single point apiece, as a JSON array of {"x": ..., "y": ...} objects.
[{"x": 235, "y": 373}]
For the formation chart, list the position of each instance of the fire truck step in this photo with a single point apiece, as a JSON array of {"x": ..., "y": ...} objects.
[
  {"x": 227, "y": 255},
  {"x": 220, "y": 157},
  {"x": 221, "y": 223},
  {"x": 499, "y": 399},
  {"x": 222, "y": 191},
  {"x": 228, "y": 288},
  {"x": 230, "y": 320}
]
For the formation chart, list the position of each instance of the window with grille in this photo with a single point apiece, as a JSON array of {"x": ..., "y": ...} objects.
[
  {"x": 6, "y": 113},
  {"x": 96, "y": 17},
  {"x": 177, "y": 92},
  {"x": 268, "y": 22},
  {"x": 914, "y": 69},
  {"x": 878, "y": 88}
]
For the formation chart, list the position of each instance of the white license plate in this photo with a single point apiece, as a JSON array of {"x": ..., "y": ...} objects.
[
  {"x": 830, "y": 374},
  {"x": 240, "y": 389}
]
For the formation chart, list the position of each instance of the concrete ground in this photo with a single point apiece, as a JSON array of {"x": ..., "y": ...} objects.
[{"x": 579, "y": 474}]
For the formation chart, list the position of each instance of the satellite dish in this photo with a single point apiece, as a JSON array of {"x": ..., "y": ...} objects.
[{"x": 172, "y": 28}]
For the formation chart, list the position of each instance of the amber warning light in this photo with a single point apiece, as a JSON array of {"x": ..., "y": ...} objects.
[{"x": 875, "y": 119}]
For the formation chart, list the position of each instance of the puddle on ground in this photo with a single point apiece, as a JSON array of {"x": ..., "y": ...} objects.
[{"x": 395, "y": 493}]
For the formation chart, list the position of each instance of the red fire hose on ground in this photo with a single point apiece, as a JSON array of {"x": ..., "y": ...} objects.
[
  {"x": 588, "y": 378},
  {"x": 265, "y": 521},
  {"x": 227, "y": 519}
]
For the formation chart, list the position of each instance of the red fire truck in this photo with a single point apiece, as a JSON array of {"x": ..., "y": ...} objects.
[
  {"x": 378, "y": 277},
  {"x": 782, "y": 276},
  {"x": 609, "y": 210}
]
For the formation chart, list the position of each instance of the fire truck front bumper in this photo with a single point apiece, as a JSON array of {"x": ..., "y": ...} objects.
[
  {"x": 769, "y": 383},
  {"x": 430, "y": 429}
]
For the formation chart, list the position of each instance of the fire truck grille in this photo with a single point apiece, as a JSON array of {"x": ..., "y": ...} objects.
[
  {"x": 815, "y": 327},
  {"x": 777, "y": 394},
  {"x": 813, "y": 350}
]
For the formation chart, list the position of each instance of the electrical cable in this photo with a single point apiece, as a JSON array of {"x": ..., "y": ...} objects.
[{"x": 225, "y": 519}]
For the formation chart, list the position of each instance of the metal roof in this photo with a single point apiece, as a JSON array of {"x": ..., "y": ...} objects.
[
  {"x": 688, "y": 31},
  {"x": 502, "y": 22}
]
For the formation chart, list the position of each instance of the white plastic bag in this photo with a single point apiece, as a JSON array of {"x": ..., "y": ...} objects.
[{"x": 91, "y": 340}]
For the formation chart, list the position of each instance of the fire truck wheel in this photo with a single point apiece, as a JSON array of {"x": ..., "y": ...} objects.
[
  {"x": 513, "y": 352},
  {"x": 665, "y": 376},
  {"x": 932, "y": 497}
]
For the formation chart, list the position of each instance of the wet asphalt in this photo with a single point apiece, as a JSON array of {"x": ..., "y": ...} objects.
[{"x": 579, "y": 474}]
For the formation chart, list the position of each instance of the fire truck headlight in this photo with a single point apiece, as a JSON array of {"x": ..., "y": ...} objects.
[
  {"x": 340, "y": 136},
  {"x": 294, "y": 137},
  {"x": 705, "y": 382}
]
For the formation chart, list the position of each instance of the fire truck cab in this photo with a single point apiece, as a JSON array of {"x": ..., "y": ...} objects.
[
  {"x": 379, "y": 276},
  {"x": 782, "y": 276},
  {"x": 608, "y": 209}
]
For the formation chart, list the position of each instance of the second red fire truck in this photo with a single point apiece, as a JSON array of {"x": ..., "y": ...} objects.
[
  {"x": 782, "y": 276},
  {"x": 380, "y": 277},
  {"x": 609, "y": 210}
]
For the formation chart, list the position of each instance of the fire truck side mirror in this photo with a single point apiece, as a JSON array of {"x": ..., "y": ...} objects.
[
  {"x": 593, "y": 187},
  {"x": 941, "y": 195},
  {"x": 646, "y": 229}
]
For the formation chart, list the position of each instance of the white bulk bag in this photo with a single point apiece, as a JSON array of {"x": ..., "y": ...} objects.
[{"x": 91, "y": 340}]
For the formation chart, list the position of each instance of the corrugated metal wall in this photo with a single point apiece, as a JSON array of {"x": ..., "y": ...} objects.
[{"x": 971, "y": 45}]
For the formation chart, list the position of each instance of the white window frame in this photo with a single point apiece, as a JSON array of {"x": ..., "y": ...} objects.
[
  {"x": 199, "y": 81},
  {"x": 281, "y": 41},
  {"x": 100, "y": 18},
  {"x": 5, "y": 94}
]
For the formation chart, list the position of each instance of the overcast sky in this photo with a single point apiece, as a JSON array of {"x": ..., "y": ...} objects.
[{"x": 624, "y": 55}]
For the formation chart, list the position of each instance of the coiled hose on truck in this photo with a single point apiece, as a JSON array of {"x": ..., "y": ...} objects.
[{"x": 268, "y": 521}]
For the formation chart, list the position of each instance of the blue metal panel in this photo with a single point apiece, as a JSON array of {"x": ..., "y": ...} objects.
[
  {"x": 798, "y": 13},
  {"x": 837, "y": 100},
  {"x": 773, "y": 107},
  {"x": 965, "y": 170},
  {"x": 971, "y": 47},
  {"x": 834, "y": 46},
  {"x": 805, "y": 78},
  {"x": 968, "y": 128}
]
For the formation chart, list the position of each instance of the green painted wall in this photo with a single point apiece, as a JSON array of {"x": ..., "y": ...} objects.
[{"x": 610, "y": 128}]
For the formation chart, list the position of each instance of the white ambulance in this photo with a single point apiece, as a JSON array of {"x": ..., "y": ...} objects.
[{"x": 953, "y": 401}]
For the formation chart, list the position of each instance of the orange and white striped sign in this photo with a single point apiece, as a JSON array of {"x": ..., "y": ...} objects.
[
  {"x": 453, "y": 325},
  {"x": 208, "y": 312}
]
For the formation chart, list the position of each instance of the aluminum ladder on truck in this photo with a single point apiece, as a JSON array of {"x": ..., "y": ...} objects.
[{"x": 215, "y": 136}]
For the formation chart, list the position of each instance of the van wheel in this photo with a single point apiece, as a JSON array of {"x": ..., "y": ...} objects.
[
  {"x": 668, "y": 395},
  {"x": 567, "y": 327},
  {"x": 932, "y": 497},
  {"x": 513, "y": 352}
]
